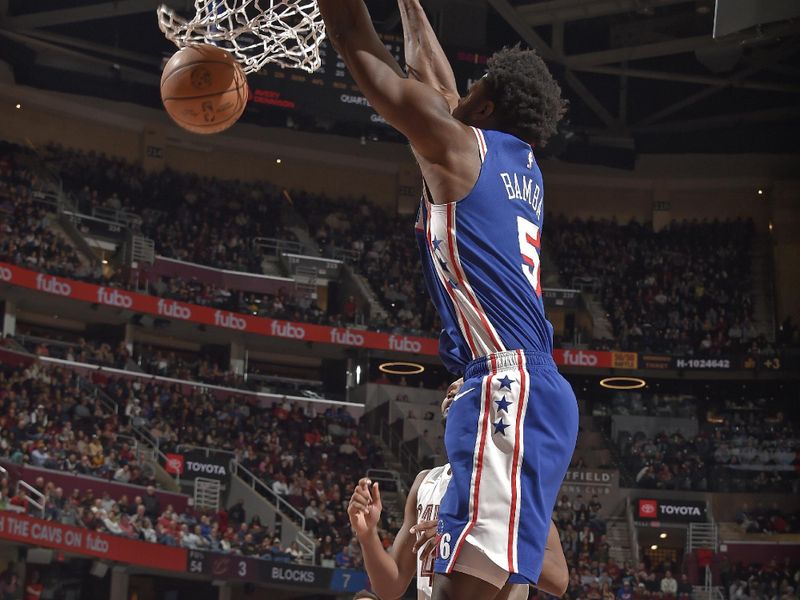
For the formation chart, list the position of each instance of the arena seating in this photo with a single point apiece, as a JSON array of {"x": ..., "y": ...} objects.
[
  {"x": 757, "y": 456},
  {"x": 50, "y": 421},
  {"x": 594, "y": 573},
  {"x": 686, "y": 289},
  {"x": 771, "y": 579},
  {"x": 387, "y": 255},
  {"x": 312, "y": 460}
]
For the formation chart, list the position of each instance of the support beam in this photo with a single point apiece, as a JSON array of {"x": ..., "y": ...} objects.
[
  {"x": 759, "y": 63},
  {"x": 623, "y": 99},
  {"x": 757, "y": 116},
  {"x": 512, "y": 17},
  {"x": 558, "y": 38},
  {"x": 604, "y": 57},
  {"x": 76, "y": 43},
  {"x": 677, "y": 46},
  {"x": 105, "y": 10},
  {"x": 592, "y": 102},
  {"x": 699, "y": 79},
  {"x": 510, "y": 14},
  {"x": 559, "y": 11},
  {"x": 77, "y": 56}
]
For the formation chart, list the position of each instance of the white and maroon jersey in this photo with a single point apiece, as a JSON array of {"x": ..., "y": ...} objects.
[{"x": 429, "y": 496}]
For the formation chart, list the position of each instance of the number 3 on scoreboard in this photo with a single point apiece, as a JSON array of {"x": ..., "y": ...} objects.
[{"x": 529, "y": 244}]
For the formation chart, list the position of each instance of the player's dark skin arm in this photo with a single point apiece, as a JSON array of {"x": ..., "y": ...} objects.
[
  {"x": 444, "y": 146},
  {"x": 389, "y": 572},
  {"x": 425, "y": 59}
]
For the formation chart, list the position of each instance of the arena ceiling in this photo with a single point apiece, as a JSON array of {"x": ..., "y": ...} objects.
[{"x": 641, "y": 75}]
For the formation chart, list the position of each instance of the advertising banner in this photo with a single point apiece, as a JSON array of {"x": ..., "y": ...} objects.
[
  {"x": 198, "y": 463},
  {"x": 49, "y": 534},
  {"x": 341, "y": 336},
  {"x": 174, "y": 464},
  {"x": 655, "y": 361},
  {"x": 172, "y": 309},
  {"x": 651, "y": 510},
  {"x": 592, "y": 359}
]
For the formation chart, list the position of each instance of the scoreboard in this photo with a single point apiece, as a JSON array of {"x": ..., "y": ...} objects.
[{"x": 330, "y": 92}]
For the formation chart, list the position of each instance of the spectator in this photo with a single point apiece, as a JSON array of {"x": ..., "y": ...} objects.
[
  {"x": 151, "y": 502},
  {"x": 669, "y": 585}
]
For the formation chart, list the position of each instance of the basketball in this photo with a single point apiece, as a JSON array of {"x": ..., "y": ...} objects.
[{"x": 204, "y": 89}]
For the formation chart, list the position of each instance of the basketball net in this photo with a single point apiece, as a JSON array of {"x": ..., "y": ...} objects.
[{"x": 256, "y": 32}]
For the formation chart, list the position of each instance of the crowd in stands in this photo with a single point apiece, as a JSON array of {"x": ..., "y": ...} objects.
[
  {"x": 730, "y": 453},
  {"x": 83, "y": 351},
  {"x": 49, "y": 420},
  {"x": 27, "y": 237},
  {"x": 593, "y": 571},
  {"x": 385, "y": 252},
  {"x": 183, "y": 365},
  {"x": 771, "y": 580},
  {"x": 143, "y": 518},
  {"x": 686, "y": 289},
  {"x": 200, "y": 219},
  {"x": 762, "y": 519},
  {"x": 649, "y": 405},
  {"x": 312, "y": 460}
]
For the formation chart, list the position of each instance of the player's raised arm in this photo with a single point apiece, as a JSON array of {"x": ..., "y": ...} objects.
[
  {"x": 415, "y": 109},
  {"x": 389, "y": 572},
  {"x": 425, "y": 59}
]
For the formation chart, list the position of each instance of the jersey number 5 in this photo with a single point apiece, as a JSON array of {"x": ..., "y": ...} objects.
[{"x": 529, "y": 245}]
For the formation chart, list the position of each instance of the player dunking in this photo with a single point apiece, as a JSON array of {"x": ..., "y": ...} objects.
[
  {"x": 511, "y": 433},
  {"x": 390, "y": 573}
]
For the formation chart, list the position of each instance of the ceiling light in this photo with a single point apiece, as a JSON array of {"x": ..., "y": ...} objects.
[
  {"x": 19, "y": 106},
  {"x": 401, "y": 368},
  {"x": 623, "y": 383},
  {"x": 663, "y": 535},
  {"x": 654, "y": 547}
]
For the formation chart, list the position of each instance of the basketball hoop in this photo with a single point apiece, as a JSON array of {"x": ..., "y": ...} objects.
[{"x": 257, "y": 32}]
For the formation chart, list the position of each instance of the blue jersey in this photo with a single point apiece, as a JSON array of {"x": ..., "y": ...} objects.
[{"x": 481, "y": 257}]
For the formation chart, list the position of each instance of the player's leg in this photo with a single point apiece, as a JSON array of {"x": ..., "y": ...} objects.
[
  {"x": 514, "y": 591},
  {"x": 554, "y": 578},
  {"x": 461, "y": 586}
]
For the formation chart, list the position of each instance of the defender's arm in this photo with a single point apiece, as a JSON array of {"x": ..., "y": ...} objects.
[
  {"x": 425, "y": 59},
  {"x": 415, "y": 109},
  {"x": 391, "y": 572}
]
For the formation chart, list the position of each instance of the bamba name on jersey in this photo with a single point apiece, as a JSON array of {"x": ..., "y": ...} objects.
[{"x": 529, "y": 191}]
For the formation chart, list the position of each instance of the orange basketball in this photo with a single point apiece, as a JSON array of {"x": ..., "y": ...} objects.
[{"x": 204, "y": 89}]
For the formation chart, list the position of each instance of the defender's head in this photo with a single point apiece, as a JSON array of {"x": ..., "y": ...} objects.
[{"x": 518, "y": 95}]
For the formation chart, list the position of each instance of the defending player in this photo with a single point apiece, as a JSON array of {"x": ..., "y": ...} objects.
[
  {"x": 414, "y": 550},
  {"x": 511, "y": 434}
]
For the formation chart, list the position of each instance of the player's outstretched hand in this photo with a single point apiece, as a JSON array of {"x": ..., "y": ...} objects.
[{"x": 365, "y": 507}]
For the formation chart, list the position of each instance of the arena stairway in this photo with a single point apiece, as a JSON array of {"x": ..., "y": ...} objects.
[
  {"x": 259, "y": 499},
  {"x": 592, "y": 445},
  {"x": 602, "y": 326},
  {"x": 296, "y": 223},
  {"x": 618, "y": 534}
]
